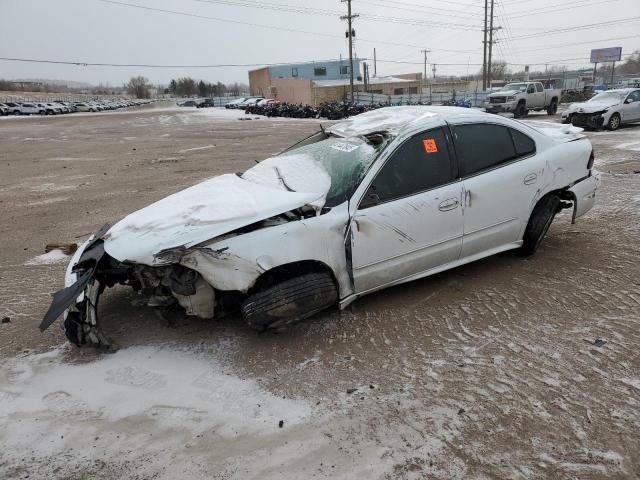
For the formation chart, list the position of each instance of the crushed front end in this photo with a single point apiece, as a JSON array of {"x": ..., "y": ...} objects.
[
  {"x": 593, "y": 120},
  {"x": 92, "y": 270}
]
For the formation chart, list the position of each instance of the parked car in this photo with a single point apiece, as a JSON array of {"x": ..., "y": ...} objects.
[
  {"x": 234, "y": 103},
  {"x": 520, "y": 98},
  {"x": 4, "y": 109},
  {"x": 83, "y": 107},
  {"x": 609, "y": 109},
  {"x": 14, "y": 108},
  {"x": 383, "y": 198},
  {"x": 208, "y": 103},
  {"x": 46, "y": 109},
  {"x": 249, "y": 102},
  {"x": 32, "y": 109}
]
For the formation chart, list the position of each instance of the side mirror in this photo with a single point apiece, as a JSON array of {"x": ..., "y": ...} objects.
[
  {"x": 370, "y": 199},
  {"x": 628, "y": 100}
]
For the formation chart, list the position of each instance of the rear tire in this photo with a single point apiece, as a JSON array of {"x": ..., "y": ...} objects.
[
  {"x": 289, "y": 301},
  {"x": 539, "y": 223},
  {"x": 553, "y": 108}
]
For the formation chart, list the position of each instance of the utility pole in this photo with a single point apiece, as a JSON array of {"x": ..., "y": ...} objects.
[
  {"x": 491, "y": 42},
  {"x": 375, "y": 64},
  {"x": 490, "y": 46},
  {"x": 484, "y": 49},
  {"x": 424, "y": 80},
  {"x": 349, "y": 18}
]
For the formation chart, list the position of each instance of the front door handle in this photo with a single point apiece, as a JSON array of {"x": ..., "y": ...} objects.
[
  {"x": 530, "y": 179},
  {"x": 448, "y": 204}
]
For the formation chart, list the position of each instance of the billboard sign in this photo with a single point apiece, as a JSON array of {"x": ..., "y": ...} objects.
[{"x": 601, "y": 55}]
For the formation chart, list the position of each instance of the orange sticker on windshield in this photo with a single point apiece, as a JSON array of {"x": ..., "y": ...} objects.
[{"x": 430, "y": 145}]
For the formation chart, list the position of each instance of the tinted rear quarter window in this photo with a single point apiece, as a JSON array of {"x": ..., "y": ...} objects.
[{"x": 524, "y": 145}]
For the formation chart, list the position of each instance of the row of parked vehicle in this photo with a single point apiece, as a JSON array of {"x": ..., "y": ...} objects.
[{"x": 58, "y": 107}]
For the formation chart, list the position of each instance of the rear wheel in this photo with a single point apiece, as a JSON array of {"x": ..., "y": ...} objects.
[
  {"x": 614, "y": 122},
  {"x": 539, "y": 223},
  {"x": 289, "y": 301},
  {"x": 553, "y": 108}
]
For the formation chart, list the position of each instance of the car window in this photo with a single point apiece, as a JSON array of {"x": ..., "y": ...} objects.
[
  {"x": 531, "y": 89},
  {"x": 483, "y": 146},
  {"x": 421, "y": 163},
  {"x": 524, "y": 145},
  {"x": 634, "y": 96},
  {"x": 539, "y": 87}
]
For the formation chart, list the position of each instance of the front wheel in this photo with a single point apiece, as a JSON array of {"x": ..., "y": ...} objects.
[
  {"x": 289, "y": 301},
  {"x": 520, "y": 111},
  {"x": 539, "y": 223},
  {"x": 614, "y": 122}
]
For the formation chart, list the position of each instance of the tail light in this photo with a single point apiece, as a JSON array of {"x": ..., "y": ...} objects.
[{"x": 592, "y": 158}]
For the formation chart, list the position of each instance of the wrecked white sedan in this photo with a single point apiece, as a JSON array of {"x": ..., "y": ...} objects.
[{"x": 386, "y": 197}]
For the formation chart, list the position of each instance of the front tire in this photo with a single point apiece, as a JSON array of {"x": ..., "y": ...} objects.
[
  {"x": 520, "y": 111},
  {"x": 289, "y": 301},
  {"x": 539, "y": 223},
  {"x": 614, "y": 122}
]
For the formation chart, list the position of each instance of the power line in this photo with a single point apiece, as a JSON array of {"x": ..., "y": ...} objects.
[
  {"x": 260, "y": 25},
  {"x": 578, "y": 28}
]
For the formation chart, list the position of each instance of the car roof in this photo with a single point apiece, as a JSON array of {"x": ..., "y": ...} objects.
[
  {"x": 620, "y": 90},
  {"x": 395, "y": 120}
]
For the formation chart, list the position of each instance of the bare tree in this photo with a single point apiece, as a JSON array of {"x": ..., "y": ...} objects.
[{"x": 138, "y": 87}]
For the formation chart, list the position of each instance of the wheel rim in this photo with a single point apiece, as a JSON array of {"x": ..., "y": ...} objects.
[{"x": 614, "y": 122}]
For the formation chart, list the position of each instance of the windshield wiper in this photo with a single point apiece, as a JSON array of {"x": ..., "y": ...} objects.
[{"x": 282, "y": 180}]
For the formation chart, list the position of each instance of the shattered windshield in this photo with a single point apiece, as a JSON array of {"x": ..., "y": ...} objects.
[
  {"x": 607, "y": 96},
  {"x": 515, "y": 86},
  {"x": 332, "y": 168}
]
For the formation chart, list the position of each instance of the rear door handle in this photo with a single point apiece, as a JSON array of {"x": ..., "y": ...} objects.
[
  {"x": 530, "y": 179},
  {"x": 448, "y": 204}
]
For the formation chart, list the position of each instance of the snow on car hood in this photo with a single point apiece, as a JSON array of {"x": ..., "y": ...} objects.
[
  {"x": 592, "y": 107},
  {"x": 199, "y": 213}
]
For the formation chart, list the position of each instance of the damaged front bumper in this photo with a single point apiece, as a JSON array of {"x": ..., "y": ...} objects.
[
  {"x": 91, "y": 270},
  {"x": 78, "y": 301},
  {"x": 587, "y": 120}
]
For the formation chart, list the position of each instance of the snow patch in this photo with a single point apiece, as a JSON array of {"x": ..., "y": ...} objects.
[
  {"x": 54, "y": 256},
  {"x": 194, "y": 149}
]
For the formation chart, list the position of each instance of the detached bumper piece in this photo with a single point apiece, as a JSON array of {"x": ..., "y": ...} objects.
[{"x": 80, "y": 300}]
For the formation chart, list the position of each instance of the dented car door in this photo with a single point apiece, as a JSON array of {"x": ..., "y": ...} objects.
[
  {"x": 501, "y": 178},
  {"x": 410, "y": 219}
]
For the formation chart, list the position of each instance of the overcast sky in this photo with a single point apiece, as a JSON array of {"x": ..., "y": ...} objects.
[{"x": 94, "y": 31}]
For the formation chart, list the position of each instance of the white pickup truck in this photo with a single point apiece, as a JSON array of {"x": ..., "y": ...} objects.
[{"x": 519, "y": 98}]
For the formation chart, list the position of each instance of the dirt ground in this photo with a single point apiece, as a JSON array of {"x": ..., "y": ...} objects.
[{"x": 507, "y": 368}]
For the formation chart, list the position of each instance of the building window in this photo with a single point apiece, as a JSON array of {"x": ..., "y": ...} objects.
[
  {"x": 294, "y": 72},
  {"x": 412, "y": 90},
  {"x": 320, "y": 71},
  {"x": 398, "y": 91},
  {"x": 344, "y": 70}
]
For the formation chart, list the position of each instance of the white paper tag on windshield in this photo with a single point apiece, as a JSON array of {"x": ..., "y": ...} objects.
[{"x": 345, "y": 147}]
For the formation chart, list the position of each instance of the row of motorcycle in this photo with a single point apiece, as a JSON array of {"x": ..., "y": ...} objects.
[{"x": 330, "y": 111}]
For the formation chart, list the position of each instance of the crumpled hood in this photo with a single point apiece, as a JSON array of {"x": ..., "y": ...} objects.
[
  {"x": 505, "y": 93},
  {"x": 592, "y": 107},
  {"x": 199, "y": 213}
]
